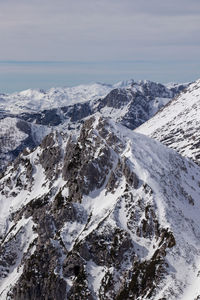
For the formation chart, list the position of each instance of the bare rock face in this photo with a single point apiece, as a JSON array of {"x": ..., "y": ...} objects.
[
  {"x": 86, "y": 165},
  {"x": 85, "y": 223},
  {"x": 130, "y": 176},
  {"x": 142, "y": 100},
  {"x": 38, "y": 280},
  {"x": 50, "y": 156}
]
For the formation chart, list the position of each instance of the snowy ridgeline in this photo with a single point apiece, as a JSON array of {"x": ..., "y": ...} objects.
[
  {"x": 26, "y": 117},
  {"x": 110, "y": 214},
  {"x": 39, "y": 100},
  {"x": 177, "y": 125}
]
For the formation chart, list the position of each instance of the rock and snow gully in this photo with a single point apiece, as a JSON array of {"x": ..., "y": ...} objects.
[{"x": 110, "y": 214}]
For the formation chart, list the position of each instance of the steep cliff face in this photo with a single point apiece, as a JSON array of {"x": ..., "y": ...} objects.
[
  {"x": 177, "y": 125},
  {"x": 110, "y": 214}
]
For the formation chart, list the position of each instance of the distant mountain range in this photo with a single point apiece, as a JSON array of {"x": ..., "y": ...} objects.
[
  {"x": 92, "y": 207},
  {"x": 131, "y": 103}
]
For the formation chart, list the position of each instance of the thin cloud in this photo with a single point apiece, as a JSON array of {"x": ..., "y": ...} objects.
[{"x": 94, "y": 30}]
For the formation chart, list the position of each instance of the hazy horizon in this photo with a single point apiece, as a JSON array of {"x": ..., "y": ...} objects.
[
  {"x": 65, "y": 43},
  {"x": 44, "y": 75}
]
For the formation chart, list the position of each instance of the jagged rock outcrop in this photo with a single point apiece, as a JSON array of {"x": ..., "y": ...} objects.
[{"x": 100, "y": 216}]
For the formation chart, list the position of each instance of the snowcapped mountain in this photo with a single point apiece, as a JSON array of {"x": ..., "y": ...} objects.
[
  {"x": 177, "y": 125},
  {"x": 38, "y": 100},
  {"x": 110, "y": 214},
  {"x": 138, "y": 102},
  {"x": 33, "y": 101},
  {"x": 131, "y": 103}
]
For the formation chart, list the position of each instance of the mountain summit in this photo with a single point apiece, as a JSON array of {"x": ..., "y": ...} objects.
[{"x": 110, "y": 214}]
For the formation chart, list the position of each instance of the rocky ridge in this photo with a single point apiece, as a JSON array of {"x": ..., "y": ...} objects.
[
  {"x": 177, "y": 125},
  {"x": 109, "y": 214},
  {"x": 130, "y": 103}
]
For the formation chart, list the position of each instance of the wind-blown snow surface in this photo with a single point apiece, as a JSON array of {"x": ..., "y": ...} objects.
[
  {"x": 178, "y": 124},
  {"x": 115, "y": 214}
]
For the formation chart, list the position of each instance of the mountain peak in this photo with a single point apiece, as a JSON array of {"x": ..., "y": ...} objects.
[{"x": 104, "y": 215}]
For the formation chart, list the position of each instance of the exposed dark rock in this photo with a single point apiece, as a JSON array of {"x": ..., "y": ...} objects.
[
  {"x": 46, "y": 117},
  {"x": 130, "y": 176},
  {"x": 70, "y": 239},
  {"x": 50, "y": 156},
  {"x": 38, "y": 280},
  {"x": 78, "y": 111},
  {"x": 112, "y": 183},
  {"x": 117, "y": 98},
  {"x": 82, "y": 171}
]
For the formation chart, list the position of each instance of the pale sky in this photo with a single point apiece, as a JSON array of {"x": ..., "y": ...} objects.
[{"x": 66, "y": 42}]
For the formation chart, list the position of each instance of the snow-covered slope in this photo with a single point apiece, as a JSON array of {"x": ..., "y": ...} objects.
[
  {"x": 131, "y": 103},
  {"x": 109, "y": 215},
  {"x": 15, "y": 135},
  {"x": 137, "y": 102},
  {"x": 38, "y": 100},
  {"x": 178, "y": 124}
]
